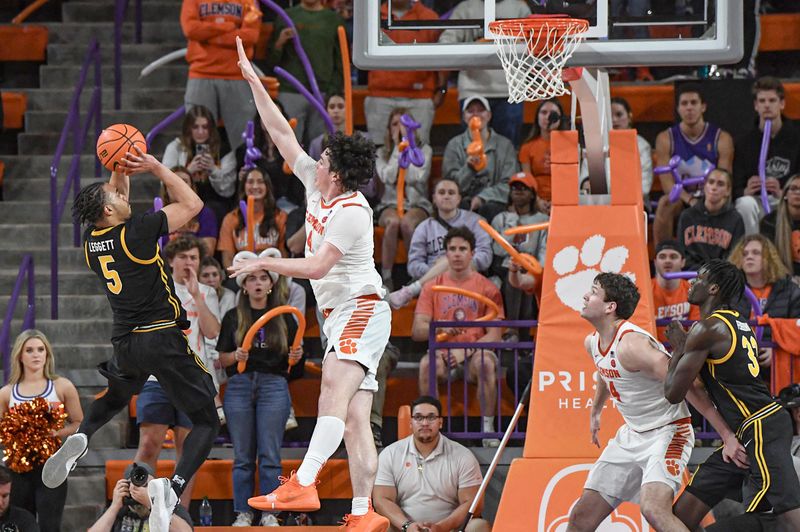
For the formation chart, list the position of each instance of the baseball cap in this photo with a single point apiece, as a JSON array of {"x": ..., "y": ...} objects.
[
  {"x": 471, "y": 99},
  {"x": 525, "y": 178},
  {"x": 789, "y": 397},
  {"x": 669, "y": 244},
  {"x": 247, "y": 255}
]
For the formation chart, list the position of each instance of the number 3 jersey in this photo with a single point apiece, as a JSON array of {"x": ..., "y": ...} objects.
[
  {"x": 732, "y": 378},
  {"x": 126, "y": 258},
  {"x": 639, "y": 398}
]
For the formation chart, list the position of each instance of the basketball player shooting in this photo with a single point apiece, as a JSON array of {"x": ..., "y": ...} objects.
[
  {"x": 122, "y": 249},
  {"x": 338, "y": 261},
  {"x": 646, "y": 458},
  {"x": 723, "y": 350}
]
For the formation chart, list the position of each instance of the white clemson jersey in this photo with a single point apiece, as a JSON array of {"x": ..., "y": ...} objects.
[
  {"x": 346, "y": 223},
  {"x": 639, "y": 398}
]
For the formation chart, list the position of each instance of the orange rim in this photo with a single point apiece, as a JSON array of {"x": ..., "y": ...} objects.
[{"x": 535, "y": 23}]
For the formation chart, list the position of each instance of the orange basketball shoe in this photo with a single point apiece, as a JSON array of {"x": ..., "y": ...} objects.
[
  {"x": 290, "y": 496},
  {"x": 369, "y": 522}
]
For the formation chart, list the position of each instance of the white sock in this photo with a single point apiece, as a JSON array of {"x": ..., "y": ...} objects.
[
  {"x": 325, "y": 440},
  {"x": 386, "y": 273},
  {"x": 416, "y": 288},
  {"x": 488, "y": 424},
  {"x": 360, "y": 506}
]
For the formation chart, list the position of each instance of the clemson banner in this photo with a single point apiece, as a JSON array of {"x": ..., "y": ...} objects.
[{"x": 582, "y": 241}]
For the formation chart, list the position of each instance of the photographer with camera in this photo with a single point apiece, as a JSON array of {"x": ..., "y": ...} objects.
[
  {"x": 13, "y": 518},
  {"x": 130, "y": 505}
]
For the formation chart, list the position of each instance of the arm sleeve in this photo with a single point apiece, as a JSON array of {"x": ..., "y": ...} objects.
[
  {"x": 417, "y": 255},
  {"x": 223, "y": 178},
  {"x": 226, "y": 341},
  {"x": 469, "y": 472},
  {"x": 340, "y": 231}
]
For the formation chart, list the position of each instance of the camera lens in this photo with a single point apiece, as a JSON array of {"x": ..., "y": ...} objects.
[{"x": 138, "y": 475}]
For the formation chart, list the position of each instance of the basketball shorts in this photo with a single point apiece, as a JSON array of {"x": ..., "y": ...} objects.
[
  {"x": 359, "y": 330},
  {"x": 165, "y": 354},
  {"x": 770, "y": 484},
  {"x": 632, "y": 459}
]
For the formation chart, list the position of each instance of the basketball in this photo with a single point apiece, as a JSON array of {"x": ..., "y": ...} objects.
[{"x": 117, "y": 140}]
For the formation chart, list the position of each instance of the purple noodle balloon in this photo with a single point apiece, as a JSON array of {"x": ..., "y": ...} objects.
[
  {"x": 316, "y": 103},
  {"x": 748, "y": 293},
  {"x": 251, "y": 154},
  {"x": 298, "y": 47},
  {"x": 762, "y": 164},
  {"x": 680, "y": 182},
  {"x": 158, "y": 204},
  {"x": 412, "y": 154},
  {"x": 243, "y": 208}
]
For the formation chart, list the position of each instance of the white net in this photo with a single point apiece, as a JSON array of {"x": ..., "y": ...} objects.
[{"x": 533, "y": 59}]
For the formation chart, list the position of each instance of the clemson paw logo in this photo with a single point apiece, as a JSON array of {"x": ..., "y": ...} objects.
[
  {"x": 578, "y": 268},
  {"x": 673, "y": 467},
  {"x": 348, "y": 346}
]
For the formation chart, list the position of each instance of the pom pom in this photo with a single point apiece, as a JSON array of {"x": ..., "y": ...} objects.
[{"x": 26, "y": 432}]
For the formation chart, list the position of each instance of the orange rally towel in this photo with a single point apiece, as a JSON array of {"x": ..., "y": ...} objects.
[{"x": 786, "y": 357}]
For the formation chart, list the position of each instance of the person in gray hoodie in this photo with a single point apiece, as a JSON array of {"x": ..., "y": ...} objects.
[
  {"x": 483, "y": 182},
  {"x": 426, "y": 253},
  {"x": 711, "y": 226}
]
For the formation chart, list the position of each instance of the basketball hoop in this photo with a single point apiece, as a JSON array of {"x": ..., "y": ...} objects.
[{"x": 534, "y": 72}]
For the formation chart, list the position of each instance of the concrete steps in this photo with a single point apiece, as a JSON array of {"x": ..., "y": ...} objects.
[
  {"x": 165, "y": 31},
  {"x": 45, "y": 143},
  {"x": 152, "y": 11},
  {"x": 144, "y": 120},
  {"x": 68, "y": 331},
  {"x": 76, "y": 307},
  {"x": 82, "y": 282},
  {"x": 171, "y": 75},
  {"x": 161, "y": 98}
]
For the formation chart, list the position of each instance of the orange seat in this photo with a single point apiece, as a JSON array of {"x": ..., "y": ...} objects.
[
  {"x": 403, "y": 422},
  {"x": 215, "y": 481},
  {"x": 780, "y": 32},
  {"x": 14, "y": 106},
  {"x": 400, "y": 256},
  {"x": 29, "y": 43}
]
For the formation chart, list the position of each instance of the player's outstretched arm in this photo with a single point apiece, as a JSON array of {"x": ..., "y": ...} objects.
[
  {"x": 279, "y": 129},
  {"x": 185, "y": 203},
  {"x": 315, "y": 267},
  {"x": 732, "y": 450}
]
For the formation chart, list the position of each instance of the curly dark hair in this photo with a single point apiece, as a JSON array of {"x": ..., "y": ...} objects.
[
  {"x": 184, "y": 243},
  {"x": 460, "y": 231},
  {"x": 88, "y": 205},
  {"x": 727, "y": 277},
  {"x": 620, "y": 290},
  {"x": 352, "y": 158}
]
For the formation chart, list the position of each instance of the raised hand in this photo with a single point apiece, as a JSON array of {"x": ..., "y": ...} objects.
[
  {"x": 138, "y": 163},
  {"x": 248, "y": 72}
]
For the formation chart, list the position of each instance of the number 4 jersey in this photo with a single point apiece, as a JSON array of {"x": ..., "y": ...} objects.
[
  {"x": 127, "y": 260},
  {"x": 639, "y": 398},
  {"x": 733, "y": 380}
]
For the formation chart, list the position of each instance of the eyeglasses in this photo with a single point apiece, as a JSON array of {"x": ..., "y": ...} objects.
[{"x": 421, "y": 419}]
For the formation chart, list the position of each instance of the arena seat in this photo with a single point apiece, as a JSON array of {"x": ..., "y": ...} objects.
[
  {"x": 400, "y": 256},
  {"x": 29, "y": 43},
  {"x": 215, "y": 481},
  {"x": 14, "y": 106},
  {"x": 780, "y": 32}
]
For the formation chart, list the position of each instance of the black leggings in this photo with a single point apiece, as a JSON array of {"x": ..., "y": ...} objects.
[{"x": 28, "y": 492}]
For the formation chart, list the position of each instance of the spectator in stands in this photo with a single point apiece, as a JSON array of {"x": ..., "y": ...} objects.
[
  {"x": 782, "y": 225},
  {"x": 155, "y": 414},
  {"x": 769, "y": 279},
  {"x": 269, "y": 234},
  {"x": 534, "y": 155},
  {"x": 419, "y": 91},
  {"x": 204, "y": 226},
  {"x": 711, "y": 227},
  {"x": 484, "y": 186},
  {"x": 317, "y": 28},
  {"x": 783, "y": 156},
  {"x": 199, "y": 150},
  {"x": 288, "y": 191},
  {"x": 491, "y": 84},
  {"x": 13, "y": 517},
  {"x": 622, "y": 118},
  {"x": 426, "y": 254},
  {"x": 478, "y": 365},
  {"x": 699, "y": 144},
  {"x": 522, "y": 210},
  {"x": 670, "y": 296},
  {"x": 215, "y": 81},
  {"x": 437, "y": 493},
  {"x": 32, "y": 376},
  {"x": 130, "y": 507},
  {"x": 416, "y": 205},
  {"x": 335, "y": 105},
  {"x": 211, "y": 274},
  {"x": 257, "y": 400}
]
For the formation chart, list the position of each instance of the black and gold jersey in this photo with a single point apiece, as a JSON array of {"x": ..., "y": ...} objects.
[
  {"x": 733, "y": 378},
  {"x": 139, "y": 287}
]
